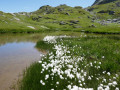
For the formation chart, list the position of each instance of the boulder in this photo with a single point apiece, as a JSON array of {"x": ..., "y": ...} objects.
[
  {"x": 93, "y": 18},
  {"x": 71, "y": 24},
  {"x": 50, "y": 11},
  {"x": 47, "y": 18},
  {"x": 60, "y": 9},
  {"x": 71, "y": 12},
  {"x": 88, "y": 16},
  {"x": 114, "y": 20},
  {"x": 77, "y": 26},
  {"x": 55, "y": 22},
  {"x": 67, "y": 14},
  {"x": 104, "y": 24},
  {"x": 92, "y": 21},
  {"x": 118, "y": 4},
  {"x": 39, "y": 16},
  {"x": 118, "y": 19},
  {"x": 46, "y": 7},
  {"x": 118, "y": 22},
  {"x": 107, "y": 11},
  {"x": 28, "y": 15},
  {"x": 44, "y": 13},
  {"x": 74, "y": 21},
  {"x": 34, "y": 18},
  {"x": 92, "y": 25},
  {"x": 109, "y": 20},
  {"x": 102, "y": 11},
  {"x": 111, "y": 12},
  {"x": 103, "y": 21},
  {"x": 91, "y": 9},
  {"x": 62, "y": 23}
]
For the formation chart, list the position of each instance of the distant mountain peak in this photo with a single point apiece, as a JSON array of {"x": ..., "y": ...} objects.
[{"x": 97, "y": 2}]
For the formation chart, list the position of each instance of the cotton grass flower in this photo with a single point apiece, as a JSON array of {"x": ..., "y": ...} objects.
[
  {"x": 114, "y": 83},
  {"x": 63, "y": 64},
  {"x": 39, "y": 61},
  {"x": 100, "y": 88},
  {"x": 46, "y": 77},
  {"x": 108, "y": 73},
  {"x": 116, "y": 88},
  {"x": 42, "y": 82}
]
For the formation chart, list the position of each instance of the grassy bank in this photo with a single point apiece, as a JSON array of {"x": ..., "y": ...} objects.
[
  {"x": 81, "y": 62},
  {"x": 110, "y": 29}
]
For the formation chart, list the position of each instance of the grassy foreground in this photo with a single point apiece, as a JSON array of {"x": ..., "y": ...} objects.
[{"x": 85, "y": 62}]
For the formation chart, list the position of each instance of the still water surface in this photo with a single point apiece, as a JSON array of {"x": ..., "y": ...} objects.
[{"x": 16, "y": 53}]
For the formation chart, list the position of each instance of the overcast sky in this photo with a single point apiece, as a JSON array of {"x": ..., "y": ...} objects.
[{"x": 32, "y": 5}]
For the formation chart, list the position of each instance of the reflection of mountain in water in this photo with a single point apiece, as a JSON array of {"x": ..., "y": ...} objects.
[
  {"x": 17, "y": 52},
  {"x": 9, "y": 38}
]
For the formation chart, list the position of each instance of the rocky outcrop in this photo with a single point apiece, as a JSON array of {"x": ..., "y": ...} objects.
[
  {"x": 62, "y": 23},
  {"x": 97, "y": 2},
  {"x": 118, "y": 4},
  {"x": 105, "y": 22},
  {"x": 74, "y": 21},
  {"x": 36, "y": 18},
  {"x": 107, "y": 11}
]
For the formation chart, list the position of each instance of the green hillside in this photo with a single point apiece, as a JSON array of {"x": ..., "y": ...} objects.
[
  {"x": 98, "y": 2},
  {"x": 61, "y": 17},
  {"x": 106, "y": 11},
  {"x": 64, "y": 18}
]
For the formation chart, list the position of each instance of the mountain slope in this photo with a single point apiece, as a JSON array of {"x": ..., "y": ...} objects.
[
  {"x": 16, "y": 22},
  {"x": 63, "y": 18},
  {"x": 97, "y": 2},
  {"x": 109, "y": 9}
]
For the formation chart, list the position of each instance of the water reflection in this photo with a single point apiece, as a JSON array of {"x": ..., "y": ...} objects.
[{"x": 17, "y": 51}]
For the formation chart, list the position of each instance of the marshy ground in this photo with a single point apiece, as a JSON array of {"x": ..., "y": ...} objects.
[{"x": 81, "y": 62}]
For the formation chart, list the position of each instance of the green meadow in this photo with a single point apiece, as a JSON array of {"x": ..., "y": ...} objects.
[
  {"x": 84, "y": 62},
  {"x": 61, "y": 18}
]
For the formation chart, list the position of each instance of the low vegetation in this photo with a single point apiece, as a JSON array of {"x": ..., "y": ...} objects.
[{"x": 85, "y": 62}]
